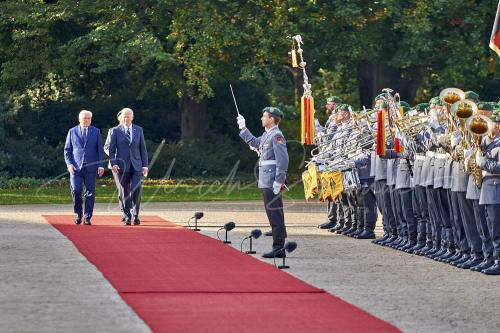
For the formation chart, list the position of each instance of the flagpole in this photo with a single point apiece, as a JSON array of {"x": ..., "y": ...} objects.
[{"x": 495, "y": 33}]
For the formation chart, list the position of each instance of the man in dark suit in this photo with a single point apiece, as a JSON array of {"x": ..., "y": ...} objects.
[
  {"x": 129, "y": 158},
  {"x": 84, "y": 156}
]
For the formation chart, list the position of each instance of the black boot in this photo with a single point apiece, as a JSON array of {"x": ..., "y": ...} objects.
[
  {"x": 327, "y": 225},
  {"x": 487, "y": 262},
  {"x": 474, "y": 260},
  {"x": 381, "y": 239},
  {"x": 495, "y": 269}
]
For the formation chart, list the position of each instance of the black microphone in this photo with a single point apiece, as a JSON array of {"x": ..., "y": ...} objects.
[
  {"x": 254, "y": 234},
  {"x": 288, "y": 247},
  {"x": 197, "y": 216},
  {"x": 228, "y": 227}
]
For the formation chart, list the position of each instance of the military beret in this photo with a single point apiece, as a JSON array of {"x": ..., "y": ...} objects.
[
  {"x": 495, "y": 116},
  {"x": 487, "y": 106},
  {"x": 344, "y": 107},
  {"x": 472, "y": 96},
  {"x": 334, "y": 99},
  {"x": 273, "y": 111},
  {"x": 436, "y": 101},
  {"x": 421, "y": 107}
]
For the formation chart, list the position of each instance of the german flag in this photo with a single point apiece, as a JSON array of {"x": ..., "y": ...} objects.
[{"x": 495, "y": 33}]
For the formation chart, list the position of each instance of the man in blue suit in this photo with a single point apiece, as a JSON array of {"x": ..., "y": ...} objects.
[
  {"x": 129, "y": 159},
  {"x": 84, "y": 156}
]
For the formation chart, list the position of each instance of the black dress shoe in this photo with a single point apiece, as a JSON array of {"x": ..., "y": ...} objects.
[
  {"x": 465, "y": 257},
  {"x": 439, "y": 253},
  {"x": 275, "y": 253},
  {"x": 136, "y": 220},
  {"x": 423, "y": 250},
  {"x": 448, "y": 254},
  {"x": 78, "y": 219},
  {"x": 357, "y": 233},
  {"x": 345, "y": 229},
  {"x": 127, "y": 220},
  {"x": 336, "y": 228},
  {"x": 366, "y": 234},
  {"x": 124, "y": 217},
  {"x": 415, "y": 248},
  {"x": 458, "y": 254},
  {"x": 473, "y": 261},
  {"x": 327, "y": 225},
  {"x": 381, "y": 239},
  {"x": 493, "y": 270},
  {"x": 485, "y": 264},
  {"x": 408, "y": 246},
  {"x": 389, "y": 240},
  {"x": 87, "y": 222},
  {"x": 432, "y": 251},
  {"x": 268, "y": 233}
]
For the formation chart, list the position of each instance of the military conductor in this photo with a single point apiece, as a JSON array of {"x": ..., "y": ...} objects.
[{"x": 273, "y": 165}]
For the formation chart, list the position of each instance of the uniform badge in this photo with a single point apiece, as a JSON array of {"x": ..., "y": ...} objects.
[{"x": 279, "y": 139}]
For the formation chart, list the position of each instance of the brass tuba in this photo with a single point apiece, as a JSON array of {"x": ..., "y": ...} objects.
[
  {"x": 463, "y": 110},
  {"x": 450, "y": 96},
  {"x": 478, "y": 127}
]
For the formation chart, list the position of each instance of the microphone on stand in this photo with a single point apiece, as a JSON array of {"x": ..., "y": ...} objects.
[
  {"x": 197, "y": 216},
  {"x": 254, "y": 234},
  {"x": 288, "y": 247},
  {"x": 228, "y": 227}
]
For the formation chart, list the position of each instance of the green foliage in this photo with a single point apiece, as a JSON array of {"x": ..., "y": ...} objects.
[{"x": 58, "y": 57}]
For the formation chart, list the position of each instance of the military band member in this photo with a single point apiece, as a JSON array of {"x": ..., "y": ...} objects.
[
  {"x": 474, "y": 193},
  {"x": 383, "y": 190},
  {"x": 346, "y": 212},
  {"x": 273, "y": 166},
  {"x": 488, "y": 159},
  {"x": 325, "y": 133},
  {"x": 420, "y": 208},
  {"x": 365, "y": 196}
]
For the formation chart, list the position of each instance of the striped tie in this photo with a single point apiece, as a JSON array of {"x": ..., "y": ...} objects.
[
  {"x": 129, "y": 137},
  {"x": 84, "y": 135}
]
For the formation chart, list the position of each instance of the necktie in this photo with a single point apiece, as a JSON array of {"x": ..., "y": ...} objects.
[
  {"x": 129, "y": 137},
  {"x": 84, "y": 135}
]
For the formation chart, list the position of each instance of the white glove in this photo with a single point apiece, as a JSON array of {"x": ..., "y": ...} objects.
[
  {"x": 241, "y": 122},
  {"x": 455, "y": 138},
  {"x": 480, "y": 159},
  {"x": 276, "y": 187}
]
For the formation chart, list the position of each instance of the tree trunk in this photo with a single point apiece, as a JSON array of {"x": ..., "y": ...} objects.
[
  {"x": 193, "y": 115},
  {"x": 373, "y": 77}
]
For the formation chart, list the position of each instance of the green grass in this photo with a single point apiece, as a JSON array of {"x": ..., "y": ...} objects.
[{"x": 150, "y": 193}]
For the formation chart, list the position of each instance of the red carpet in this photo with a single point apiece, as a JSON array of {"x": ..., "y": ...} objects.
[{"x": 177, "y": 280}]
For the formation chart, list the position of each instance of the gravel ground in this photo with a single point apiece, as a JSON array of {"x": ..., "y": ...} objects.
[{"x": 47, "y": 286}]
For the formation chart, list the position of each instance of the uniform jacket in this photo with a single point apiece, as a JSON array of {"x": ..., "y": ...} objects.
[
  {"x": 273, "y": 160},
  {"x": 490, "y": 188}
]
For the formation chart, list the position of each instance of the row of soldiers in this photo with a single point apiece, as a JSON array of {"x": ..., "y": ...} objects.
[{"x": 431, "y": 205}]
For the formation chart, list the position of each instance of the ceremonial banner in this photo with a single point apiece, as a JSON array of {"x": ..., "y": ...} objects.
[
  {"x": 381, "y": 140},
  {"x": 495, "y": 33}
]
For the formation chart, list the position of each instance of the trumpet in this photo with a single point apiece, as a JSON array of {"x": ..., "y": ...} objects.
[{"x": 410, "y": 126}]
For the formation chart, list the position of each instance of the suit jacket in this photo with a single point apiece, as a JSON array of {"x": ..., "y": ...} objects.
[
  {"x": 76, "y": 151},
  {"x": 128, "y": 156}
]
